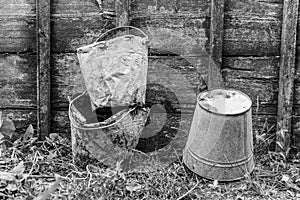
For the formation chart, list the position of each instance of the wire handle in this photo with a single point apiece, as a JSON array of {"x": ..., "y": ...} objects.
[{"x": 120, "y": 27}]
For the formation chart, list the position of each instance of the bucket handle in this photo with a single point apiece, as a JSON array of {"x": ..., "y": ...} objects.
[
  {"x": 120, "y": 27},
  {"x": 94, "y": 126}
]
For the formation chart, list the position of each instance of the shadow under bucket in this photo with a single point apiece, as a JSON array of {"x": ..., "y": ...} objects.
[
  {"x": 109, "y": 141},
  {"x": 220, "y": 142}
]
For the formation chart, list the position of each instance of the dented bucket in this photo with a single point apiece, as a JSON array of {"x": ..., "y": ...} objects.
[
  {"x": 220, "y": 144},
  {"x": 115, "y": 70},
  {"x": 109, "y": 141}
]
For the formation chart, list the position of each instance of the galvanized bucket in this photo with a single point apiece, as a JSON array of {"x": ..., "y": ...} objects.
[
  {"x": 109, "y": 141},
  {"x": 115, "y": 70},
  {"x": 220, "y": 144}
]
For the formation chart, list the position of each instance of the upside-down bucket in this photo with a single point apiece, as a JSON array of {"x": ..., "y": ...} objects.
[{"x": 220, "y": 145}]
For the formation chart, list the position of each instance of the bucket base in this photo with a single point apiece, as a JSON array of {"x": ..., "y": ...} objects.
[{"x": 231, "y": 171}]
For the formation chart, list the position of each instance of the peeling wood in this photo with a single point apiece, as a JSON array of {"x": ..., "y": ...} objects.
[
  {"x": 286, "y": 75},
  {"x": 215, "y": 79},
  {"x": 43, "y": 67}
]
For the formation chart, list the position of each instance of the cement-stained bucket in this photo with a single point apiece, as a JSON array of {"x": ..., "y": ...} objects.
[
  {"x": 220, "y": 144},
  {"x": 109, "y": 141},
  {"x": 115, "y": 70}
]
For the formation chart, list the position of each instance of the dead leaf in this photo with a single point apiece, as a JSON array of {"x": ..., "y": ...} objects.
[
  {"x": 133, "y": 186},
  {"x": 11, "y": 187},
  {"x": 52, "y": 155},
  {"x": 19, "y": 169},
  {"x": 7, "y": 128},
  {"x": 28, "y": 133},
  {"x": 1, "y": 137},
  {"x": 7, "y": 176}
]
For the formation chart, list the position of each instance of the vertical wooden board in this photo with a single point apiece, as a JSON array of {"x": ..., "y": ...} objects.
[
  {"x": 286, "y": 75},
  {"x": 17, "y": 25},
  {"x": 252, "y": 28},
  {"x": 122, "y": 12},
  {"x": 215, "y": 79},
  {"x": 43, "y": 67},
  {"x": 17, "y": 81}
]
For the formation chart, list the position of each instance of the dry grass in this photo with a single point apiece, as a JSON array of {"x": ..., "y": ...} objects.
[{"x": 43, "y": 170}]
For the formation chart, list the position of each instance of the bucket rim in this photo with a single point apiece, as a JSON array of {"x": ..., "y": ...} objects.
[
  {"x": 93, "y": 126},
  {"x": 225, "y": 114}
]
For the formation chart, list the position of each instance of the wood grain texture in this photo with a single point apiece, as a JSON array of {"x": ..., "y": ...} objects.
[
  {"x": 215, "y": 79},
  {"x": 256, "y": 76},
  {"x": 43, "y": 67},
  {"x": 252, "y": 28},
  {"x": 286, "y": 74},
  {"x": 122, "y": 12},
  {"x": 18, "y": 81},
  {"x": 17, "y": 25}
]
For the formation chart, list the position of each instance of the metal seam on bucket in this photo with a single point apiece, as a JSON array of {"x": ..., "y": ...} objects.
[{"x": 219, "y": 164}]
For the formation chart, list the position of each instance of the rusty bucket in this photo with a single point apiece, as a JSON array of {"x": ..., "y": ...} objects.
[
  {"x": 109, "y": 141},
  {"x": 220, "y": 145}
]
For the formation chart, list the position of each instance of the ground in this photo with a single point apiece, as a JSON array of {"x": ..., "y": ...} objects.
[{"x": 43, "y": 169}]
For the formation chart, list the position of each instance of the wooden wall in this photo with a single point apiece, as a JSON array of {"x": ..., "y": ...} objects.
[
  {"x": 251, "y": 52},
  {"x": 18, "y": 60}
]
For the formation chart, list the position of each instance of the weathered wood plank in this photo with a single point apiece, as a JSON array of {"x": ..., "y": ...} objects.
[
  {"x": 43, "y": 67},
  {"x": 261, "y": 91},
  {"x": 17, "y": 81},
  {"x": 68, "y": 34},
  {"x": 256, "y": 76},
  {"x": 286, "y": 74},
  {"x": 17, "y": 25},
  {"x": 252, "y": 28},
  {"x": 148, "y": 8},
  {"x": 266, "y": 68},
  {"x": 122, "y": 12},
  {"x": 215, "y": 79},
  {"x": 295, "y": 138}
]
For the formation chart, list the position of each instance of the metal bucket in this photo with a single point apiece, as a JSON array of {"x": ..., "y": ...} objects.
[
  {"x": 109, "y": 141},
  {"x": 220, "y": 144},
  {"x": 115, "y": 70}
]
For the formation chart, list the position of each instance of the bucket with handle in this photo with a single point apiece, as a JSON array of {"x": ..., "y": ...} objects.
[
  {"x": 220, "y": 145},
  {"x": 115, "y": 70}
]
